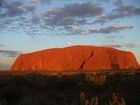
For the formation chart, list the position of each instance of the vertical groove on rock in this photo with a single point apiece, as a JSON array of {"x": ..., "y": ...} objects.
[{"x": 84, "y": 62}]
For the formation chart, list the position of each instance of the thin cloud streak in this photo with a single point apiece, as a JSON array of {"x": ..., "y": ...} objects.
[
  {"x": 9, "y": 53},
  {"x": 124, "y": 45},
  {"x": 110, "y": 29}
]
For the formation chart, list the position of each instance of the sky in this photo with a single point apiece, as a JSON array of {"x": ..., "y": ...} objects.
[{"x": 32, "y": 25}]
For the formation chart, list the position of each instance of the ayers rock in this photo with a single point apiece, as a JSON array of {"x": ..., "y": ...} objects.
[{"x": 75, "y": 58}]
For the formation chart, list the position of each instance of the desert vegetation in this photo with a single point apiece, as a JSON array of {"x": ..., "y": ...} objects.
[
  {"x": 114, "y": 100},
  {"x": 90, "y": 88}
]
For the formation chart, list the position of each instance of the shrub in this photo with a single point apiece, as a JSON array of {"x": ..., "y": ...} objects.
[
  {"x": 98, "y": 79},
  {"x": 115, "y": 100},
  {"x": 115, "y": 67}
]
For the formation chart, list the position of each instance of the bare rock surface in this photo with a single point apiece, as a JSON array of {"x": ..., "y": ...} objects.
[{"x": 75, "y": 58}]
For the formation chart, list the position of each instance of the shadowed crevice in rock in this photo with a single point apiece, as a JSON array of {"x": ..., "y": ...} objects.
[{"x": 84, "y": 62}]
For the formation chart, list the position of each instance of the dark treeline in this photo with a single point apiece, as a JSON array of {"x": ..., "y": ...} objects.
[{"x": 43, "y": 89}]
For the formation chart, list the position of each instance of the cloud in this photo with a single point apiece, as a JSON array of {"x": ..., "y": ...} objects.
[
  {"x": 113, "y": 45},
  {"x": 110, "y": 29},
  {"x": 1, "y": 3},
  {"x": 31, "y": 6},
  {"x": 129, "y": 45},
  {"x": 9, "y": 53},
  {"x": 76, "y": 32},
  {"x": 29, "y": 15},
  {"x": 124, "y": 45},
  {"x": 14, "y": 8},
  {"x": 70, "y": 14},
  {"x": 4, "y": 66},
  {"x": 45, "y": 1},
  {"x": 35, "y": 19},
  {"x": 114, "y": 37},
  {"x": 2, "y": 45},
  {"x": 121, "y": 11}
]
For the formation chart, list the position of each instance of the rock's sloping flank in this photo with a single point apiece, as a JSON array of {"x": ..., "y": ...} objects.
[{"x": 76, "y": 58}]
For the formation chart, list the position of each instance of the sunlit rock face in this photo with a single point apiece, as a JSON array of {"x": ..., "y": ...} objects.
[{"x": 75, "y": 58}]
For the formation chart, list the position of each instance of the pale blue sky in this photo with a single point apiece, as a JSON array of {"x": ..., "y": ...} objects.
[{"x": 31, "y": 25}]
